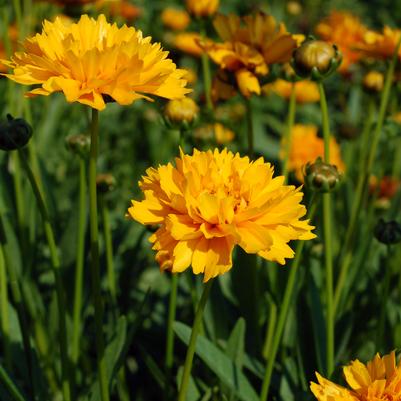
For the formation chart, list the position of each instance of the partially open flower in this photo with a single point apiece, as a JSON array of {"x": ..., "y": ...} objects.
[
  {"x": 202, "y": 8},
  {"x": 316, "y": 59},
  {"x": 373, "y": 81},
  {"x": 211, "y": 201},
  {"x": 175, "y": 19},
  {"x": 15, "y": 133},
  {"x": 182, "y": 110}
]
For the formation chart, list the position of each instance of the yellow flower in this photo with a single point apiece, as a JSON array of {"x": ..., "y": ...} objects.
[
  {"x": 216, "y": 131},
  {"x": 305, "y": 91},
  {"x": 189, "y": 42},
  {"x": 306, "y": 147},
  {"x": 181, "y": 110},
  {"x": 380, "y": 46},
  {"x": 190, "y": 75},
  {"x": 92, "y": 60},
  {"x": 249, "y": 46},
  {"x": 210, "y": 202},
  {"x": 202, "y": 8},
  {"x": 379, "y": 379},
  {"x": 175, "y": 19},
  {"x": 344, "y": 30}
]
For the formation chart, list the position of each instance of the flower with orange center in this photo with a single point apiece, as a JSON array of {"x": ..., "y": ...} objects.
[
  {"x": 305, "y": 91},
  {"x": 210, "y": 202},
  {"x": 202, "y": 8},
  {"x": 249, "y": 46},
  {"x": 344, "y": 30},
  {"x": 378, "y": 380},
  {"x": 380, "y": 45},
  {"x": 175, "y": 19},
  {"x": 92, "y": 61},
  {"x": 306, "y": 147}
]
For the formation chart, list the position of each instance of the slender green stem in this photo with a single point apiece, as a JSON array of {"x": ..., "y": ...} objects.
[
  {"x": 18, "y": 13},
  {"x": 288, "y": 132},
  {"x": 270, "y": 329},
  {"x": 363, "y": 177},
  {"x": 283, "y": 313},
  {"x": 10, "y": 386},
  {"x": 109, "y": 247},
  {"x": 79, "y": 266},
  {"x": 182, "y": 395},
  {"x": 249, "y": 121},
  {"x": 95, "y": 269},
  {"x": 55, "y": 262},
  {"x": 206, "y": 72},
  {"x": 4, "y": 318},
  {"x": 327, "y": 230}
]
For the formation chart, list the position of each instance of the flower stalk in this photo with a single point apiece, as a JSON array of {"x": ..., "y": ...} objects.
[
  {"x": 192, "y": 341},
  {"x": 206, "y": 71},
  {"x": 249, "y": 122},
  {"x": 4, "y": 318}
]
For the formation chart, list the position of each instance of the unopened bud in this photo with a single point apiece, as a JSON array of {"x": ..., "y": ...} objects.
[
  {"x": 321, "y": 176},
  {"x": 78, "y": 144},
  {"x": 105, "y": 183},
  {"x": 15, "y": 133},
  {"x": 388, "y": 232},
  {"x": 181, "y": 112},
  {"x": 373, "y": 81}
]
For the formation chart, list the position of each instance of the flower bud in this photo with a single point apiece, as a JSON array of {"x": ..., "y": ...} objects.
[
  {"x": 373, "y": 82},
  {"x": 294, "y": 8},
  {"x": 316, "y": 59},
  {"x": 105, "y": 183},
  {"x": 321, "y": 176},
  {"x": 15, "y": 133},
  {"x": 388, "y": 232},
  {"x": 183, "y": 111},
  {"x": 78, "y": 144}
]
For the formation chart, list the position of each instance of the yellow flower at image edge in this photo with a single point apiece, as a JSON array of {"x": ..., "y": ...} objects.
[
  {"x": 379, "y": 379},
  {"x": 92, "y": 60},
  {"x": 210, "y": 202}
]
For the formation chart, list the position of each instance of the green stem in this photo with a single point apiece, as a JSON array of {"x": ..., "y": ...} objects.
[
  {"x": 285, "y": 306},
  {"x": 270, "y": 329},
  {"x": 95, "y": 269},
  {"x": 327, "y": 230},
  {"x": 10, "y": 386},
  {"x": 182, "y": 395},
  {"x": 109, "y": 247},
  {"x": 55, "y": 262},
  {"x": 4, "y": 318},
  {"x": 364, "y": 176},
  {"x": 206, "y": 72},
  {"x": 249, "y": 121},
  {"x": 18, "y": 13},
  {"x": 79, "y": 267},
  {"x": 288, "y": 132}
]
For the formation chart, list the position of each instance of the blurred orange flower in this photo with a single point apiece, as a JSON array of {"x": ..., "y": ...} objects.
[
  {"x": 124, "y": 9},
  {"x": 305, "y": 91},
  {"x": 249, "y": 46},
  {"x": 202, "y": 8},
  {"x": 345, "y": 31},
  {"x": 306, "y": 147},
  {"x": 386, "y": 188},
  {"x": 13, "y": 37},
  {"x": 189, "y": 42},
  {"x": 175, "y": 19}
]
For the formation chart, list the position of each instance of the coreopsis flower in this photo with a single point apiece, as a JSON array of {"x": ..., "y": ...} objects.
[
  {"x": 175, "y": 19},
  {"x": 344, "y": 30},
  {"x": 190, "y": 43},
  {"x": 217, "y": 132},
  {"x": 93, "y": 61},
  {"x": 181, "y": 110},
  {"x": 249, "y": 46},
  {"x": 211, "y": 201},
  {"x": 202, "y": 8},
  {"x": 378, "y": 380},
  {"x": 121, "y": 8},
  {"x": 306, "y": 147},
  {"x": 305, "y": 91}
]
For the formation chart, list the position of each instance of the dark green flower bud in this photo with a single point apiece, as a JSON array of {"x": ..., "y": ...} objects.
[
  {"x": 316, "y": 59},
  {"x": 388, "y": 232},
  {"x": 79, "y": 144},
  {"x": 321, "y": 176},
  {"x": 105, "y": 183},
  {"x": 15, "y": 133}
]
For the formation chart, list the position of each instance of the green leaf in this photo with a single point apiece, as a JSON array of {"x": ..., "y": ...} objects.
[
  {"x": 219, "y": 363},
  {"x": 235, "y": 343}
]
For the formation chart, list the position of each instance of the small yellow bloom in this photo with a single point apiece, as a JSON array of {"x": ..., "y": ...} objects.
[
  {"x": 344, "y": 30},
  {"x": 217, "y": 131},
  {"x": 210, "y": 202},
  {"x": 181, "y": 110},
  {"x": 175, "y": 19},
  {"x": 373, "y": 81},
  {"x": 378, "y": 380},
  {"x": 92, "y": 61},
  {"x": 305, "y": 91},
  {"x": 189, "y": 42},
  {"x": 306, "y": 147},
  {"x": 202, "y": 8}
]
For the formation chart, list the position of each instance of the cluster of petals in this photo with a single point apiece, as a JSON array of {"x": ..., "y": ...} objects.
[
  {"x": 307, "y": 146},
  {"x": 305, "y": 91},
  {"x": 210, "y": 202},
  {"x": 249, "y": 45},
  {"x": 92, "y": 61},
  {"x": 344, "y": 30},
  {"x": 202, "y": 8},
  {"x": 379, "y": 379}
]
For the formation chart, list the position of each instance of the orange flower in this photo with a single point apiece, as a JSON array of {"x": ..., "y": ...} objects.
[
  {"x": 344, "y": 30},
  {"x": 305, "y": 91},
  {"x": 202, "y": 8},
  {"x": 175, "y": 19},
  {"x": 124, "y": 9},
  {"x": 386, "y": 188},
  {"x": 249, "y": 46},
  {"x": 380, "y": 46},
  {"x": 189, "y": 42},
  {"x": 306, "y": 147}
]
